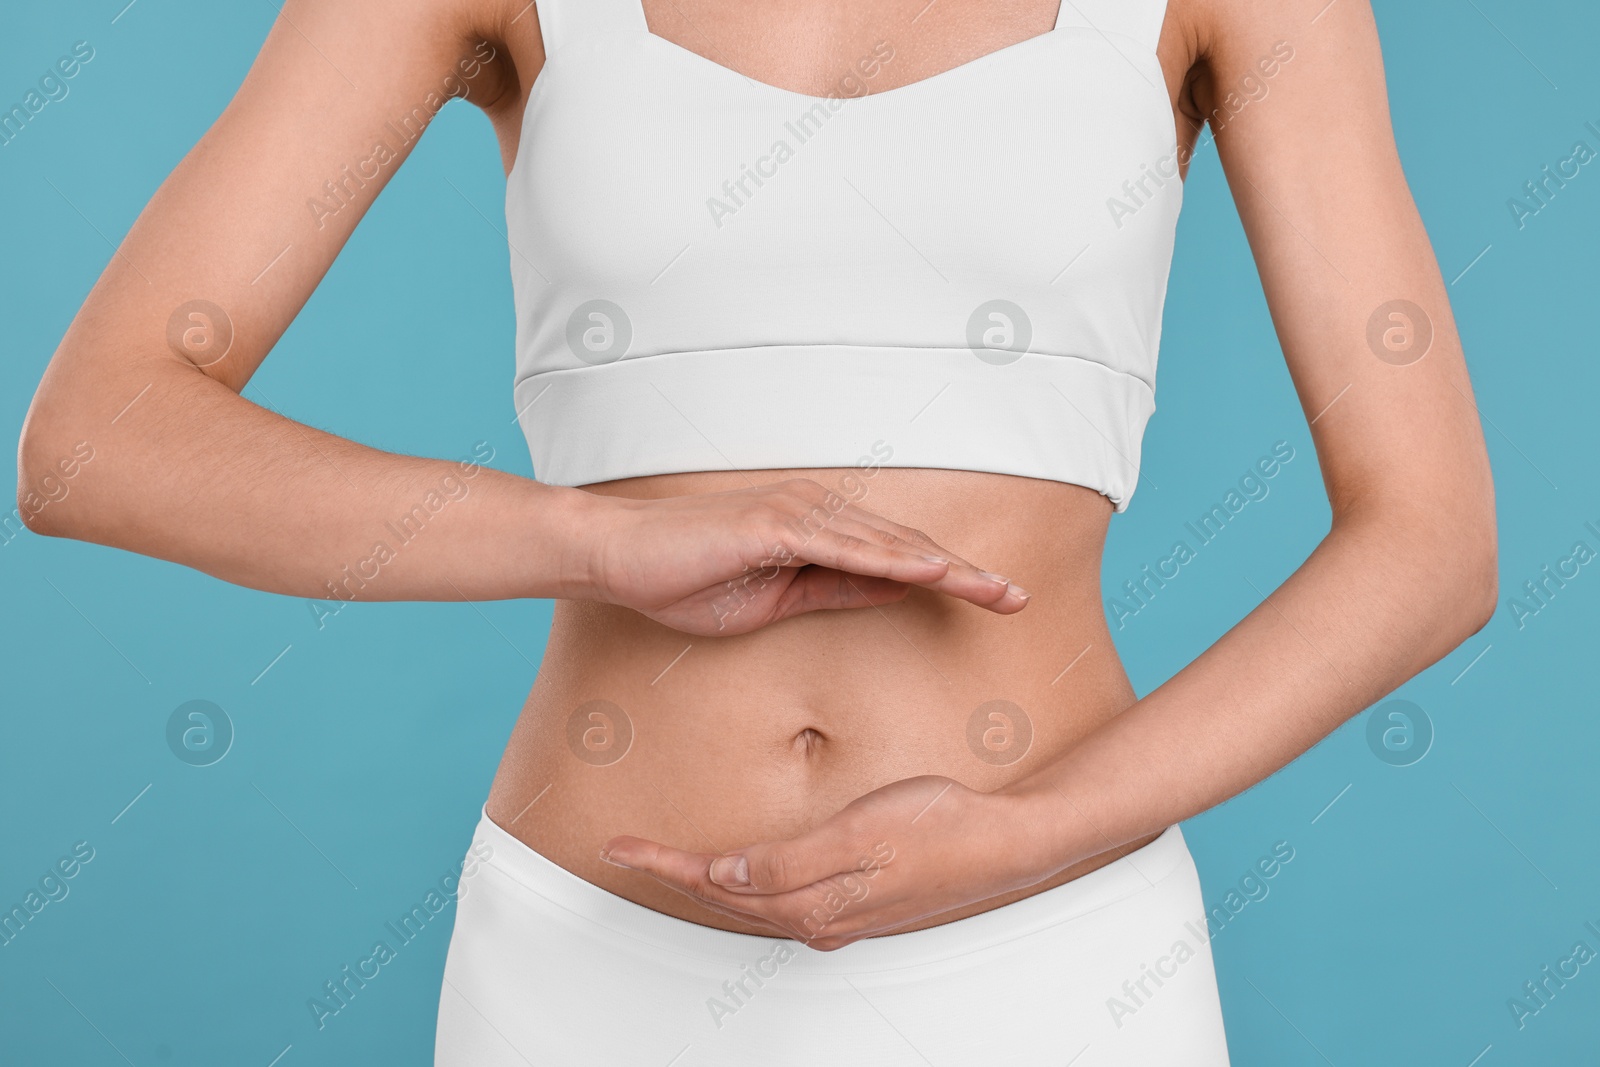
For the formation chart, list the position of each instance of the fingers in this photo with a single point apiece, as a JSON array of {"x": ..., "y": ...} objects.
[
  {"x": 671, "y": 865},
  {"x": 687, "y": 872},
  {"x": 866, "y": 543},
  {"x": 851, "y": 545},
  {"x": 779, "y": 885},
  {"x": 908, "y": 535},
  {"x": 784, "y": 866}
]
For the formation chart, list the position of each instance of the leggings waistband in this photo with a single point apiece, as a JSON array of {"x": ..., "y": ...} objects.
[{"x": 623, "y": 922}]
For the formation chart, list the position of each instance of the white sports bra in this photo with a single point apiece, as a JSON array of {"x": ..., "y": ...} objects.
[{"x": 967, "y": 271}]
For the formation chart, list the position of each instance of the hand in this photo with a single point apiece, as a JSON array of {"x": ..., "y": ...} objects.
[
  {"x": 913, "y": 849},
  {"x": 719, "y": 564}
]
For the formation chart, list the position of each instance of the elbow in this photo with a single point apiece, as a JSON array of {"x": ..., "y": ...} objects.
[
  {"x": 1464, "y": 535},
  {"x": 1473, "y": 578},
  {"x": 1447, "y": 556},
  {"x": 50, "y": 464},
  {"x": 1481, "y": 592},
  {"x": 12, "y": 525}
]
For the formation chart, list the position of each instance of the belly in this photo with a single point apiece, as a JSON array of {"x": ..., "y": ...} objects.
[{"x": 709, "y": 744}]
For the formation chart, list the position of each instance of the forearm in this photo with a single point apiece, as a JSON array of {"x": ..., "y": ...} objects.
[
  {"x": 1377, "y": 602},
  {"x": 193, "y": 473}
]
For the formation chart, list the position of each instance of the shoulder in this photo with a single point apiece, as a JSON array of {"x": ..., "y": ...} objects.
[
  {"x": 1236, "y": 33},
  {"x": 464, "y": 45},
  {"x": 1247, "y": 49}
]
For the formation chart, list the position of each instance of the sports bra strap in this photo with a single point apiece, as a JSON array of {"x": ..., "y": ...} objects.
[
  {"x": 1139, "y": 19},
  {"x": 561, "y": 21}
]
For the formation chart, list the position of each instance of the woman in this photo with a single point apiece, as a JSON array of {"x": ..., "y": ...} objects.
[{"x": 837, "y": 332}]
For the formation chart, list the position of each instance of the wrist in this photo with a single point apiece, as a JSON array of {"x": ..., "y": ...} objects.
[
  {"x": 1054, "y": 832},
  {"x": 577, "y": 522}
]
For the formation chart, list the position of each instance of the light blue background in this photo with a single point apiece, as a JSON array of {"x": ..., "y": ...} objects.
[{"x": 1416, "y": 904}]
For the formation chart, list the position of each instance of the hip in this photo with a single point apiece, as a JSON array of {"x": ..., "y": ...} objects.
[{"x": 545, "y": 967}]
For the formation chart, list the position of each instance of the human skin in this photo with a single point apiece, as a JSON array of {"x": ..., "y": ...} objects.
[{"x": 816, "y": 727}]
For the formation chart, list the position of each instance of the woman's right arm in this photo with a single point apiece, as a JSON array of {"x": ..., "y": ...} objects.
[{"x": 186, "y": 469}]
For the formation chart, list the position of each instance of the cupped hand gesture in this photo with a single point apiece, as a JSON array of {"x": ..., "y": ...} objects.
[
  {"x": 906, "y": 852},
  {"x": 720, "y": 564}
]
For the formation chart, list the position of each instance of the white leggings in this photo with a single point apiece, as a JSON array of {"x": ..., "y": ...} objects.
[{"x": 1113, "y": 968}]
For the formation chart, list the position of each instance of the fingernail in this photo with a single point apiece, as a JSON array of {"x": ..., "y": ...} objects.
[
  {"x": 730, "y": 870},
  {"x": 606, "y": 855},
  {"x": 935, "y": 559},
  {"x": 993, "y": 577},
  {"x": 1019, "y": 592}
]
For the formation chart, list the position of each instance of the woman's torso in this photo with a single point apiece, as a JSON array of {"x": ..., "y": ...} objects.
[{"x": 708, "y": 744}]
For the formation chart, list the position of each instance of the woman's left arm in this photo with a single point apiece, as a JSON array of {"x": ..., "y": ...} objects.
[{"x": 1406, "y": 572}]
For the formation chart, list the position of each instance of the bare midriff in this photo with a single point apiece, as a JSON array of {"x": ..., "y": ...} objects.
[{"x": 712, "y": 743}]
